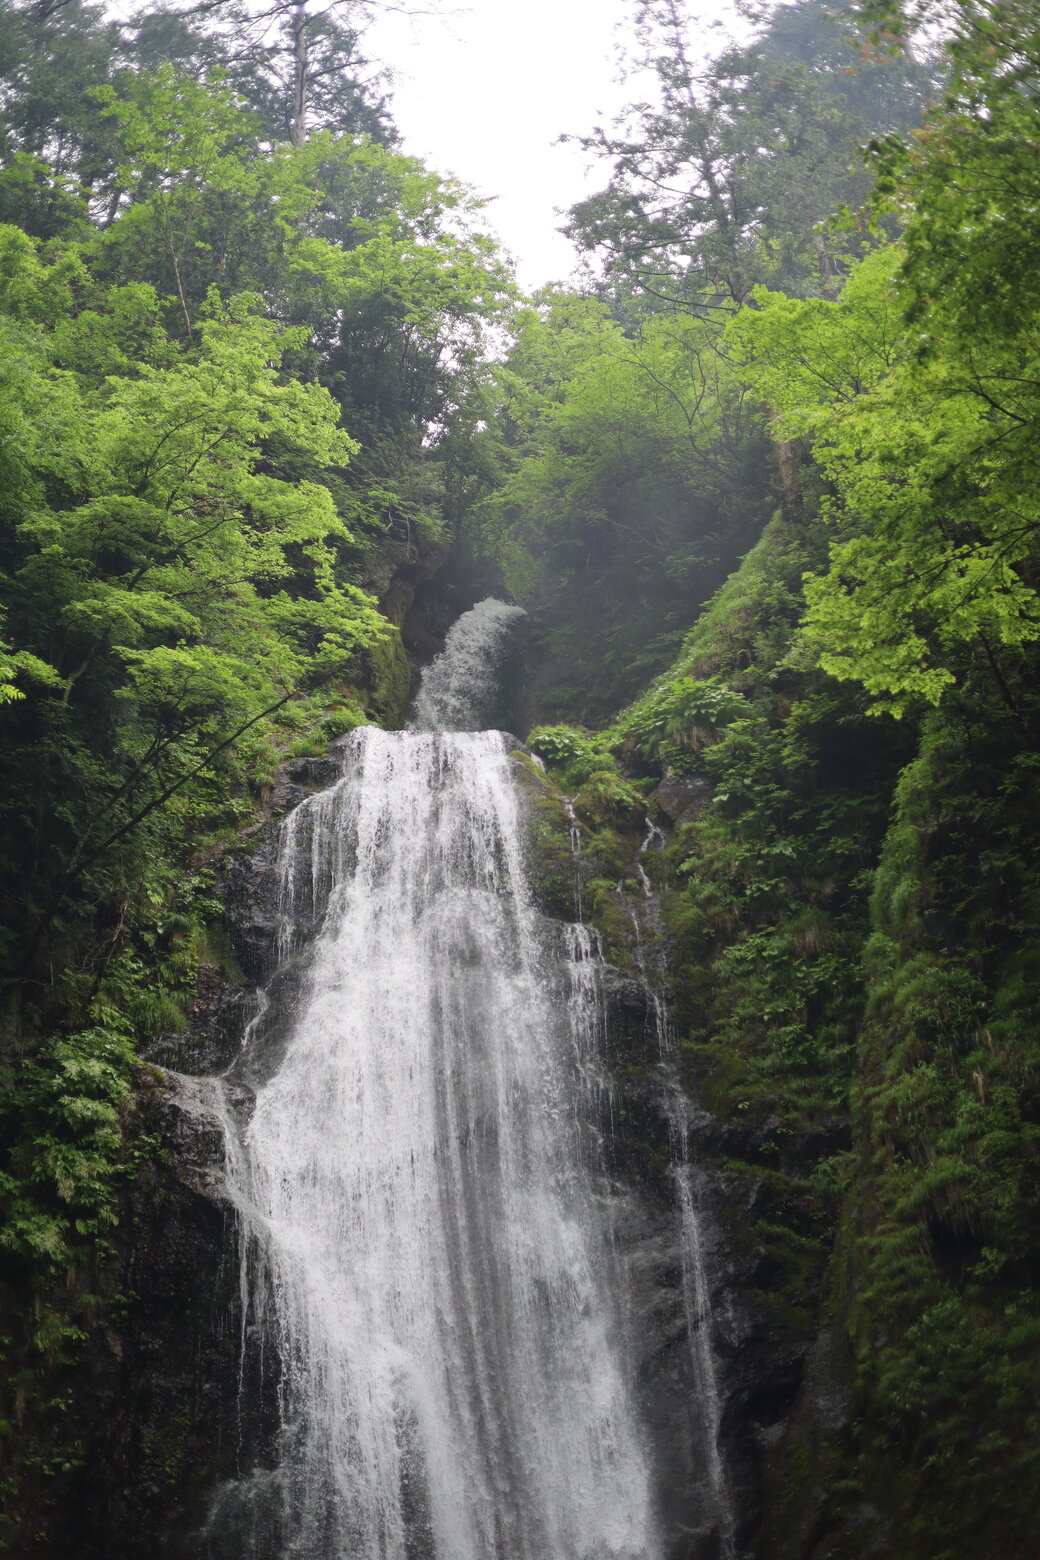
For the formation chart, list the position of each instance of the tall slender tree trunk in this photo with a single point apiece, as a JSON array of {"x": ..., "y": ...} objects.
[
  {"x": 790, "y": 491},
  {"x": 42, "y": 13},
  {"x": 828, "y": 273},
  {"x": 298, "y": 28}
]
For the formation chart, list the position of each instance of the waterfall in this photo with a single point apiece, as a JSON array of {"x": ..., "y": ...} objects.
[
  {"x": 428, "y": 1260},
  {"x": 459, "y": 690}
]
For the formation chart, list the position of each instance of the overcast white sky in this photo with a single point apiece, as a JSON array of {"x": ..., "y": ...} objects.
[{"x": 483, "y": 91}]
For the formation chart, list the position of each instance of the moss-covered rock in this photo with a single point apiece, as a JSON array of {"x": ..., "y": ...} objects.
[
  {"x": 389, "y": 680},
  {"x": 549, "y": 838}
]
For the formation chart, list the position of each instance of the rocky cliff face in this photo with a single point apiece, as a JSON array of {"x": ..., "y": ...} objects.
[
  {"x": 147, "y": 1404},
  {"x": 163, "y": 1414},
  {"x": 782, "y": 1395}
]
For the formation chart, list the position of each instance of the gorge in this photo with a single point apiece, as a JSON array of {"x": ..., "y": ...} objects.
[
  {"x": 442, "y": 1285},
  {"x": 519, "y": 910}
]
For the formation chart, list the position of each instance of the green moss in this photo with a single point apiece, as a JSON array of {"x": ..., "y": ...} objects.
[
  {"x": 606, "y": 799},
  {"x": 216, "y": 949},
  {"x": 608, "y": 816},
  {"x": 389, "y": 681},
  {"x": 938, "y": 1261},
  {"x": 606, "y": 907},
  {"x": 341, "y": 719},
  {"x": 551, "y": 865}
]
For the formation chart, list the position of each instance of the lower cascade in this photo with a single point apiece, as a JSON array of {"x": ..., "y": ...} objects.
[{"x": 429, "y": 1267}]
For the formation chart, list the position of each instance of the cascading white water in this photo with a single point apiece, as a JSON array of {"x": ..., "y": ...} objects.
[
  {"x": 428, "y": 1243},
  {"x": 459, "y": 689}
]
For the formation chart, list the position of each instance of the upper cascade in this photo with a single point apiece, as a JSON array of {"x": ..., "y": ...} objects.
[{"x": 461, "y": 688}]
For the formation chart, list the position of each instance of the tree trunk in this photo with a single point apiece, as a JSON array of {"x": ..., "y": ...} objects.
[
  {"x": 828, "y": 273},
  {"x": 298, "y": 26},
  {"x": 790, "y": 491}
]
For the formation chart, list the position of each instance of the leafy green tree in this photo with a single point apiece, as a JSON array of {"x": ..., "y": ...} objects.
[
  {"x": 299, "y": 69},
  {"x": 884, "y": 85},
  {"x": 724, "y": 182},
  {"x": 382, "y": 266},
  {"x": 183, "y": 162},
  {"x": 165, "y": 585},
  {"x": 969, "y": 181},
  {"x": 636, "y": 484},
  {"x": 193, "y": 559},
  {"x": 933, "y": 450},
  {"x": 56, "y": 148},
  {"x": 59, "y": 151}
]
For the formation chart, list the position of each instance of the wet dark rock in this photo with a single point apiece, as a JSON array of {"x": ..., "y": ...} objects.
[
  {"x": 250, "y": 893},
  {"x": 315, "y": 774},
  {"x": 212, "y": 1039},
  {"x": 158, "y": 1404},
  {"x": 656, "y": 1132},
  {"x": 682, "y": 798},
  {"x": 806, "y": 1522}
]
